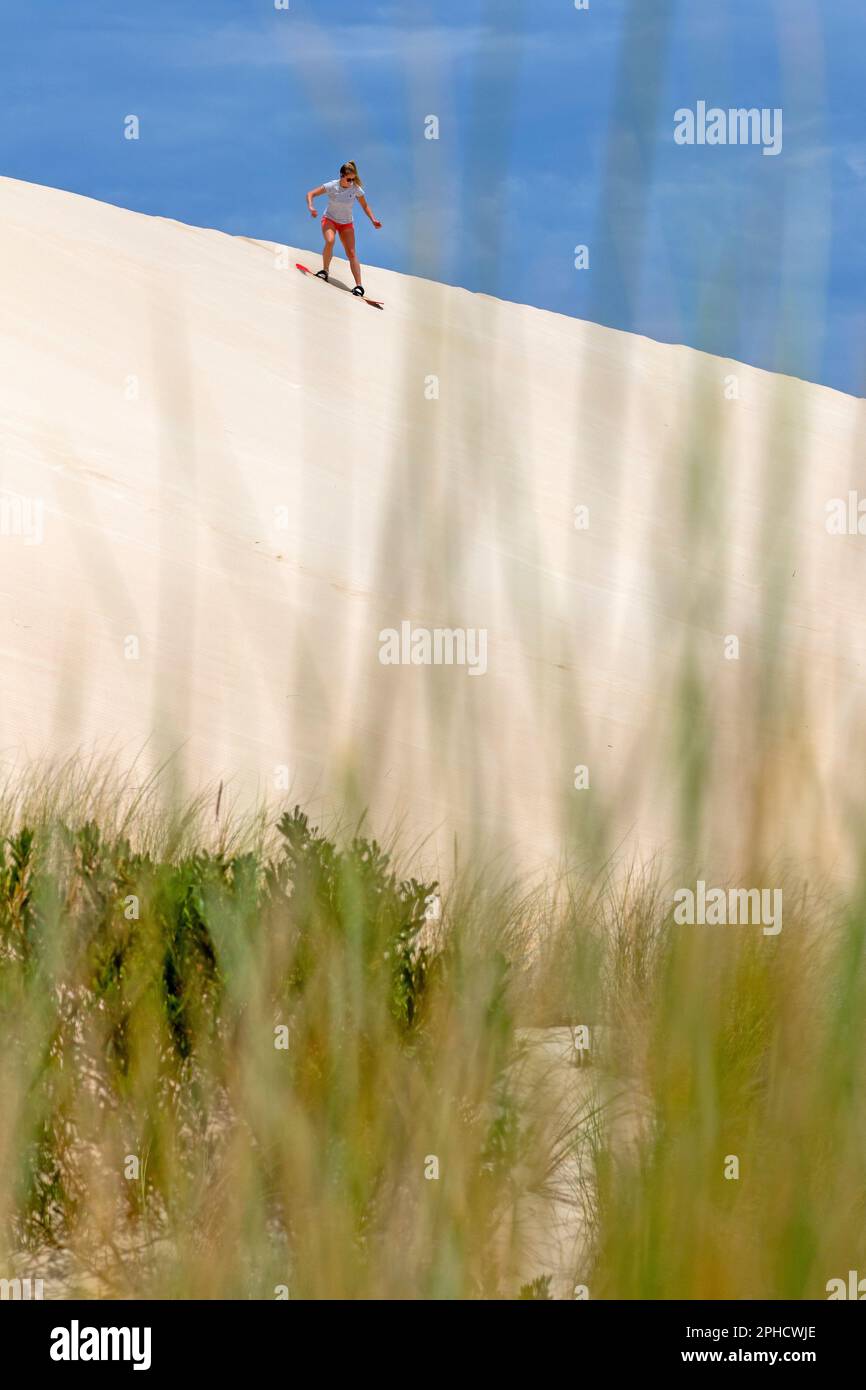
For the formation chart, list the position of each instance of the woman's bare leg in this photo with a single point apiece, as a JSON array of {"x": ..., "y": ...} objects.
[
  {"x": 328, "y": 249},
  {"x": 348, "y": 240}
]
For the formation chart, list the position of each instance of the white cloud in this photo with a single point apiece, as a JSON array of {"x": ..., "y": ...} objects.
[
  {"x": 277, "y": 44},
  {"x": 855, "y": 159}
]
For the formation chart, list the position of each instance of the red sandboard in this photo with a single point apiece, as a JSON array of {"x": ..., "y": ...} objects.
[{"x": 373, "y": 303}]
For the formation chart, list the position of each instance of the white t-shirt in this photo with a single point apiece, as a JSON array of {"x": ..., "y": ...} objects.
[{"x": 340, "y": 200}]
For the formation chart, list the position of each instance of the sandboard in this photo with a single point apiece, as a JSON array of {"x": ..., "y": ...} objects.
[{"x": 373, "y": 303}]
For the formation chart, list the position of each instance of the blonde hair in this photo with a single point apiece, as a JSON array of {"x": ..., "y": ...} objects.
[{"x": 350, "y": 167}]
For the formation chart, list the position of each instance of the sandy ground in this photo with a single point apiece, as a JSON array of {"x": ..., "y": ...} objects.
[
  {"x": 222, "y": 481},
  {"x": 572, "y": 1103},
  {"x": 582, "y": 1107}
]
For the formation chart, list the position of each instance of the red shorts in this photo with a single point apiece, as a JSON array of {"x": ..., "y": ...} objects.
[{"x": 338, "y": 226}]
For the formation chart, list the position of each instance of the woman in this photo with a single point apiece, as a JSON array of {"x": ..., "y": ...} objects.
[{"x": 341, "y": 193}]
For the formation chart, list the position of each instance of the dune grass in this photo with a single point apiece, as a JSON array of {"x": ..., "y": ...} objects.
[{"x": 279, "y": 1066}]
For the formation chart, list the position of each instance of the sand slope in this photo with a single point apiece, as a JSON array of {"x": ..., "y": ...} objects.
[{"x": 251, "y": 476}]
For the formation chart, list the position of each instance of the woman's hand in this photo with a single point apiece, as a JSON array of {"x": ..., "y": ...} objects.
[
  {"x": 376, "y": 224},
  {"x": 313, "y": 212}
]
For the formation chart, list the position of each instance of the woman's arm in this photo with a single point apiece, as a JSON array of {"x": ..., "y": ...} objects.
[
  {"x": 363, "y": 201},
  {"x": 314, "y": 193}
]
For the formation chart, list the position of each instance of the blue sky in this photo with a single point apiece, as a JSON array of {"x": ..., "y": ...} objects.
[{"x": 555, "y": 130}]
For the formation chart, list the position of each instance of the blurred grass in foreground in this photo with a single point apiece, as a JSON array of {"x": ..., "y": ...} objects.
[{"x": 145, "y": 984}]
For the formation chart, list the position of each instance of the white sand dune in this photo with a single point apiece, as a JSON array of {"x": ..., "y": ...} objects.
[{"x": 252, "y": 475}]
